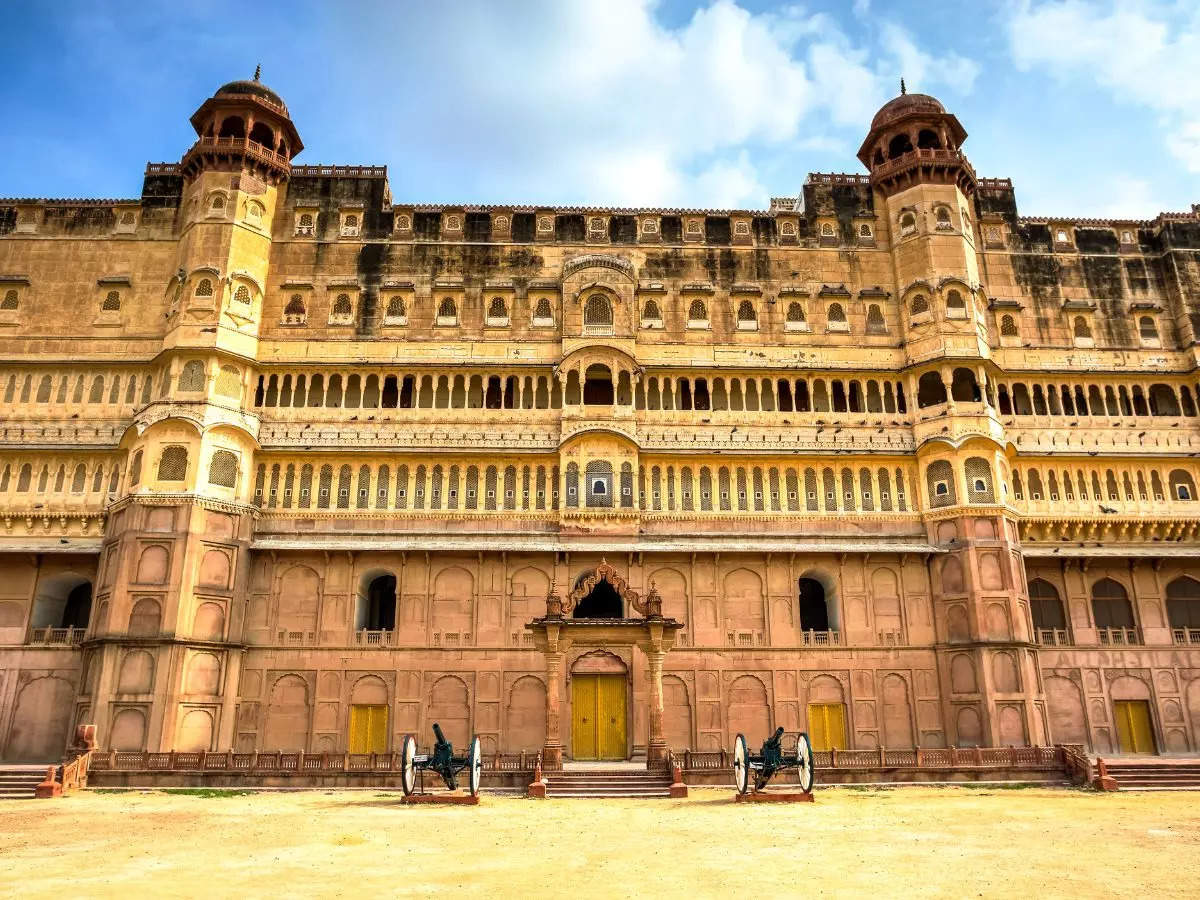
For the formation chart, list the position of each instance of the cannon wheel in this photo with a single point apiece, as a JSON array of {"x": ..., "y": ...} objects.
[
  {"x": 475, "y": 765},
  {"x": 741, "y": 764},
  {"x": 804, "y": 758},
  {"x": 408, "y": 769}
]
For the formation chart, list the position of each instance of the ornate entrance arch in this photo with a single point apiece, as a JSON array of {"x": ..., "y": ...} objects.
[{"x": 605, "y": 572}]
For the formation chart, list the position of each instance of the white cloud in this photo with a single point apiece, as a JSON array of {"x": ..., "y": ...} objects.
[
  {"x": 599, "y": 95},
  {"x": 1143, "y": 53}
]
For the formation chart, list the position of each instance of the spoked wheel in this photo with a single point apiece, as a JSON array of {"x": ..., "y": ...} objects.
[
  {"x": 474, "y": 766},
  {"x": 805, "y": 760},
  {"x": 408, "y": 769},
  {"x": 741, "y": 765}
]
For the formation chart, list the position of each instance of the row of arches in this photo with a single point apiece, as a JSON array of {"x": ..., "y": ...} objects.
[
  {"x": 1127, "y": 484},
  {"x": 1112, "y": 610},
  {"x": 81, "y": 389},
  {"x": 1108, "y": 400},
  {"x": 834, "y": 395},
  {"x": 64, "y": 478}
]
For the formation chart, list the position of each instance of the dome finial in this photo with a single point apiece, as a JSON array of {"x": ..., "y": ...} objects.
[
  {"x": 258, "y": 73},
  {"x": 903, "y": 89}
]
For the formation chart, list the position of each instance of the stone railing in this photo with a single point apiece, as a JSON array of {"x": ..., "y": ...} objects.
[
  {"x": 1052, "y": 637},
  {"x": 368, "y": 638},
  {"x": 1119, "y": 637},
  {"x": 820, "y": 638},
  {"x": 1186, "y": 635},
  {"x": 57, "y": 636},
  {"x": 279, "y": 762}
]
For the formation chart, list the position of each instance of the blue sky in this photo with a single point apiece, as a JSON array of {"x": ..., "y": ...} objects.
[{"x": 1091, "y": 107}]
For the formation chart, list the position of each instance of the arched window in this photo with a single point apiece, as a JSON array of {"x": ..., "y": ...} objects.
[
  {"x": 497, "y": 310},
  {"x": 261, "y": 133},
  {"x": 597, "y": 386},
  {"x": 9, "y": 301},
  {"x": 1113, "y": 613},
  {"x": 827, "y": 229},
  {"x": 979, "y": 480},
  {"x": 908, "y": 224},
  {"x": 542, "y": 313},
  {"x": 598, "y": 312},
  {"x": 242, "y": 295},
  {"x": 1147, "y": 329},
  {"x": 204, "y": 288},
  {"x": 1183, "y": 610},
  {"x": 1008, "y": 327},
  {"x": 651, "y": 315},
  {"x": 599, "y": 483},
  {"x": 747, "y": 320},
  {"x": 217, "y": 203},
  {"x": 939, "y": 479},
  {"x": 254, "y": 212},
  {"x": 192, "y": 376},
  {"x": 956, "y": 307},
  {"x": 931, "y": 391},
  {"x": 796, "y": 320},
  {"x": 305, "y": 225},
  {"x": 295, "y": 313},
  {"x": 920, "y": 305},
  {"x": 350, "y": 225},
  {"x": 963, "y": 386},
  {"x": 927, "y": 139},
  {"x": 899, "y": 145},
  {"x": 397, "y": 312},
  {"x": 112, "y": 302},
  {"x": 223, "y": 469},
  {"x": 864, "y": 230},
  {"x": 447, "y": 313},
  {"x": 172, "y": 466},
  {"x": 814, "y": 609},
  {"x": 697, "y": 314},
  {"x": 342, "y": 307},
  {"x": 944, "y": 222},
  {"x": 835, "y": 314},
  {"x": 1182, "y": 486},
  {"x": 875, "y": 321},
  {"x": 1049, "y": 619},
  {"x": 376, "y": 608},
  {"x": 1082, "y": 329}
]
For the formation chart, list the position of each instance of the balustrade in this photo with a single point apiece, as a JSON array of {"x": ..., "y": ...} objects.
[
  {"x": 1186, "y": 635},
  {"x": 68, "y": 637},
  {"x": 1052, "y": 637},
  {"x": 1119, "y": 637}
]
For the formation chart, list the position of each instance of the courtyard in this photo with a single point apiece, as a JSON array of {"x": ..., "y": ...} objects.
[{"x": 933, "y": 841}]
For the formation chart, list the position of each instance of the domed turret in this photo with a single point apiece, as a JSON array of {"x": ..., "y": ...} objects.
[
  {"x": 244, "y": 126},
  {"x": 913, "y": 138}
]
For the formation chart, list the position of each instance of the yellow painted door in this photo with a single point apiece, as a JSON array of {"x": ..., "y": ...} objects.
[
  {"x": 584, "y": 690},
  {"x": 610, "y": 717},
  {"x": 1135, "y": 734},
  {"x": 368, "y": 729},
  {"x": 827, "y": 726}
]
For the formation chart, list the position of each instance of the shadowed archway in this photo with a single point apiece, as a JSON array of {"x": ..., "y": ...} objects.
[{"x": 601, "y": 602}]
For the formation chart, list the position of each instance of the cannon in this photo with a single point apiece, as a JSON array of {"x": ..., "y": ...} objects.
[
  {"x": 443, "y": 761},
  {"x": 769, "y": 760}
]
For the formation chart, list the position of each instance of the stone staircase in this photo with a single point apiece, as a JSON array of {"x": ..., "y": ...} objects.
[
  {"x": 611, "y": 782},
  {"x": 18, "y": 782},
  {"x": 1156, "y": 774}
]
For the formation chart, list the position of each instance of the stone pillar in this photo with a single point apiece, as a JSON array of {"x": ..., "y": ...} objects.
[
  {"x": 656, "y": 747},
  {"x": 552, "y": 751}
]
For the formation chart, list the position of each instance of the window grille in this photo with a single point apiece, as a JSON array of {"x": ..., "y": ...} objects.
[
  {"x": 172, "y": 466},
  {"x": 223, "y": 469}
]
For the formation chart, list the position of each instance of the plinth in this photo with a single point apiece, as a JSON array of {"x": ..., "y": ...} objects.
[
  {"x": 448, "y": 798},
  {"x": 774, "y": 797}
]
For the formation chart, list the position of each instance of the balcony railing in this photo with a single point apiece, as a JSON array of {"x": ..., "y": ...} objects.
[
  {"x": 57, "y": 636},
  {"x": 1052, "y": 637},
  {"x": 1186, "y": 635},
  {"x": 1119, "y": 637},
  {"x": 821, "y": 638},
  {"x": 368, "y": 638}
]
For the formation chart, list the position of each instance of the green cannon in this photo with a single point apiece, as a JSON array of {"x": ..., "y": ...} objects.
[
  {"x": 443, "y": 761},
  {"x": 771, "y": 759}
]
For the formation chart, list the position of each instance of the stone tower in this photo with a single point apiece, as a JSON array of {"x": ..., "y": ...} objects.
[
  {"x": 175, "y": 558},
  {"x": 925, "y": 191}
]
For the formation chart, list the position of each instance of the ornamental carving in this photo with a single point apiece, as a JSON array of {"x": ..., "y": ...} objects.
[
  {"x": 605, "y": 572},
  {"x": 597, "y": 260}
]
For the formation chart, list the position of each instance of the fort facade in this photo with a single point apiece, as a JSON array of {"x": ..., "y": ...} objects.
[{"x": 290, "y": 464}]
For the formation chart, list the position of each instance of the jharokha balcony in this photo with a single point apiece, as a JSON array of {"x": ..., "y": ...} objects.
[{"x": 218, "y": 148}]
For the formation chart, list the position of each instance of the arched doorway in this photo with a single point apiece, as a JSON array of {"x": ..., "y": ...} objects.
[
  {"x": 597, "y": 386},
  {"x": 376, "y": 608},
  {"x": 814, "y": 611},
  {"x": 601, "y": 602},
  {"x": 599, "y": 707},
  {"x": 64, "y": 601}
]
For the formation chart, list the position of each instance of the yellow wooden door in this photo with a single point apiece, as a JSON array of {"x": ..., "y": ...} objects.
[
  {"x": 610, "y": 717},
  {"x": 1135, "y": 734},
  {"x": 827, "y": 726},
  {"x": 584, "y": 691},
  {"x": 368, "y": 729}
]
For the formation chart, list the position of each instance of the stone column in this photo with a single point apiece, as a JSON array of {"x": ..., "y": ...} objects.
[
  {"x": 552, "y": 751},
  {"x": 656, "y": 747}
]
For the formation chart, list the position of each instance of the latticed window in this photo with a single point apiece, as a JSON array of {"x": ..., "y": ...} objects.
[
  {"x": 396, "y": 308},
  {"x": 447, "y": 309},
  {"x": 795, "y": 313},
  {"x": 112, "y": 302},
  {"x": 955, "y": 302},
  {"x": 920, "y": 304},
  {"x": 305, "y": 225},
  {"x": 382, "y": 486},
  {"x": 10, "y": 300},
  {"x": 364, "y": 487},
  {"x": 829, "y": 487},
  {"x": 325, "y": 486},
  {"x": 510, "y": 487},
  {"x": 402, "y": 487},
  {"x": 204, "y": 288},
  {"x": 472, "y": 487},
  {"x": 572, "y": 485},
  {"x": 697, "y": 312},
  {"x": 172, "y": 465},
  {"x": 542, "y": 311},
  {"x": 875, "y": 321},
  {"x": 1082, "y": 329},
  {"x": 489, "y": 489},
  {"x": 836, "y": 313},
  {"x": 1008, "y": 327},
  {"x": 885, "y": 490},
  {"x": 745, "y": 313},
  {"x": 342, "y": 306},
  {"x": 295, "y": 312},
  {"x": 939, "y": 481},
  {"x": 979, "y": 480},
  {"x": 599, "y": 476},
  {"x": 223, "y": 469},
  {"x": 651, "y": 312},
  {"x": 192, "y": 376},
  {"x": 597, "y": 311},
  {"x": 229, "y": 382},
  {"x": 1147, "y": 329},
  {"x": 908, "y": 223},
  {"x": 343, "y": 495},
  {"x": 497, "y": 309},
  {"x": 242, "y": 295},
  {"x": 218, "y": 202}
]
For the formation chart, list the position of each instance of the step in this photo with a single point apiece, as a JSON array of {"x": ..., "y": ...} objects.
[{"x": 605, "y": 794}]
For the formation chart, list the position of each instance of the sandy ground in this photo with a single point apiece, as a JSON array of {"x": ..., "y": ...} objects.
[{"x": 911, "y": 841}]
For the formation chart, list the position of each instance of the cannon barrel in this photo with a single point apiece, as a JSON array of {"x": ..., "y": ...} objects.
[{"x": 437, "y": 732}]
